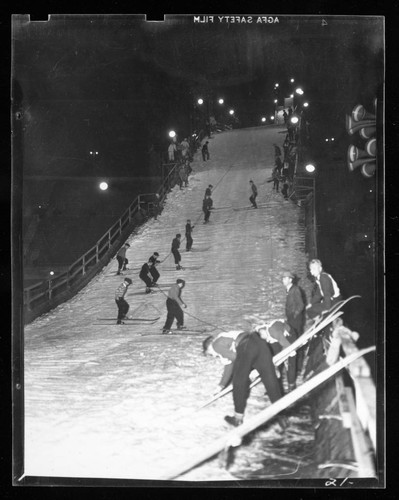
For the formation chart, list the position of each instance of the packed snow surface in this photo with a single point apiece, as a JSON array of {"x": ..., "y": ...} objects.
[{"x": 103, "y": 401}]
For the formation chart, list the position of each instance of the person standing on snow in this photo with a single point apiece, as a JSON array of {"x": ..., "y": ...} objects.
[
  {"x": 189, "y": 238},
  {"x": 146, "y": 276},
  {"x": 153, "y": 270},
  {"x": 325, "y": 292},
  {"x": 208, "y": 191},
  {"x": 205, "y": 151},
  {"x": 254, "y": 194},
  {"x": 123, "y": 306},
  {"x": 121, "y": 258},
  {"x": 207, "y": 205},
  {"x": 245, "y": 351},
  {"x": 174, "y": 304},
  {"x": 276, "y": 178},
  {"x": 175, "y": 251}
]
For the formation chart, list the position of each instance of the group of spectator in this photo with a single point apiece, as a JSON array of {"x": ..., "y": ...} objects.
[{"x": 284, "y": 166}]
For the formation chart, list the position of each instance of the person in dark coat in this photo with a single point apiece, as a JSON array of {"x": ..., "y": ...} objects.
[
  {"x": 280, "y": 335},
  {"x": 145, "y": 275},
  {"x": 295, "y": 311},
  {"x": 294, "y": 304},
  {"x": 189, "y": 238},
  {"x": 207, "y": 207},
  {"x": 175, "y": 250},
  {"x": 276, "y": 178},
  {"x": 205, "y": 151},
  {"x": 153, "y": 270},
  {"x": 174, "y": 304},
  {"x": 121, "y": 258},
  {"x": 208, "y": 190},
  {"x": 245, "y": 351},
  {"x": 284, "y": 190},
  {"x": 285, "y": 116},
  {"x": 254, "y": 191},
  {"x": 277, "y": 151},
  {"x": 325, "y": 292},
  {"x": 123, "y": 306}
]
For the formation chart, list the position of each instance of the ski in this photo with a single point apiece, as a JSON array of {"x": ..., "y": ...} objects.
[
  {"x": 108, "y": 323},
  {"x": 183, "y": 268},
  {"x": 235, "y": 435},
  {"x": 304, "y": 338},
  {"x": 176, "y": 331},
  {"x": 250, "y": 208},
  {"x": 200, "y": 249},
  {"x": 144, "y": 293},
  {"x": 279, "y": 358},
  {"x": 130, "y": 319}
]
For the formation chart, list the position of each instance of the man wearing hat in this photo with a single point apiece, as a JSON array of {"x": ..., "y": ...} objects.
[
  {"x": 208, "y": 191},
  {"x": 123, "y": 306},
  {"x": 174, "y": 304},
  {"x": 295, "y": 304},
  {"x": 121, "y": 258}
]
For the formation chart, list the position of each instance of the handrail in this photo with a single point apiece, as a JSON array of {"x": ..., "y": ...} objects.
[
  {"x": 42, "y": 296},
  {"x": 343, "y": 337},
  {"x": 234, "y": 437}
]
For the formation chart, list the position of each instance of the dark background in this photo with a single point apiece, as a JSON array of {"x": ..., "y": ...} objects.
[{"x": 117, "y": 84}]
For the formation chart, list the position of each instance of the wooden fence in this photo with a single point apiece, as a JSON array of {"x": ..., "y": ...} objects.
[{"x": 43, "y": 296}]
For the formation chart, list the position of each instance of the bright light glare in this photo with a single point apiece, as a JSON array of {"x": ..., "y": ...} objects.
[
  {"x": 272, "y": 117},
  {"x": 200, "y": 101},
  {"x": 231, "y": 111},
  {"x": 51, "y": 273},
  {"x": 292, "y": 80},
  {"x": 275, "y": 101},
  {"x": 172, "y": 133},
  {"x": 294, "y": 119},
  {"x": 103, "y": 186},
  {"x": 221, "y": 101},
  {"x": 276, "y": 84},
  {"x": 299, "y": 91},
  {"x": 263, "y": 119},
  {"x": 310, "y": 168},
  {"x": 305, "y": 104},
  {"x": 292, "y": 95}
]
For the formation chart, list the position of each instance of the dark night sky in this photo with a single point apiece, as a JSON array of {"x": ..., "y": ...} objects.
[
  {"x": 120, "y": 82},
  {"x": 117, "y": 84}
]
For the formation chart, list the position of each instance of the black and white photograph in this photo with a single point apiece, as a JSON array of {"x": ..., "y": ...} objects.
[{"x": 198, "y": 250}]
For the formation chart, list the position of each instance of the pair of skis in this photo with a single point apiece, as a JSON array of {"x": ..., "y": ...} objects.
[
  {"x": 128, "y": 321},
  {"x": 234, "y": 437},
  {"x": 328, "y": 317},
  {"x": 176, "y": 332}
]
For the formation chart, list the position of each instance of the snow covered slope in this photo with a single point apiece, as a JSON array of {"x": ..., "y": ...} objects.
[{"x": 105, "y": 401}]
